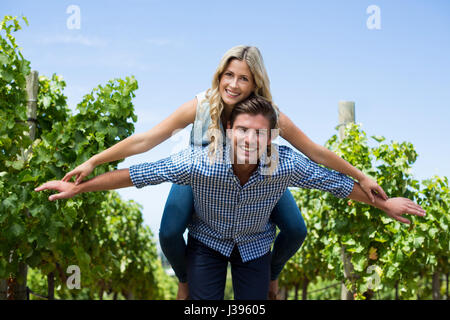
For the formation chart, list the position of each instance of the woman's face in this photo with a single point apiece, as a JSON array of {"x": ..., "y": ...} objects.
[{"x": 236, "y": 82}]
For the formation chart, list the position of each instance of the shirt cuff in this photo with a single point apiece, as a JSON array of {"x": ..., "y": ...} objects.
[
  {"x": 347, "y": 187},
  {"x": 137, "y": 175}
]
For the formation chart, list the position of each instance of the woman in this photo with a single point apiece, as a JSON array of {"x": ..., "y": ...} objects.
[{"x": 241, "y": 71}]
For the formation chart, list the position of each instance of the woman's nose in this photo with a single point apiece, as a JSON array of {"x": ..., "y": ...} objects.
[{"x": 234, "y": 82}]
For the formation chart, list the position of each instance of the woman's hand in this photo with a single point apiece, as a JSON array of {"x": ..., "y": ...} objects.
[
  {"x": 82, "y": 171},
  {"x": 369, "y": 185}
]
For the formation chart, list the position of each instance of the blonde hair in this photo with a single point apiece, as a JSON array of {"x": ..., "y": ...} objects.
[{"x": 254, "y": 60}]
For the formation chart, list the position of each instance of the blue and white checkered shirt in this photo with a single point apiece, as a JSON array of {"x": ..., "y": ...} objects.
[{"x": 228, "y": 214}]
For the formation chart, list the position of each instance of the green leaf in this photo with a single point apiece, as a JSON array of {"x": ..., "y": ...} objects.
[
  {"x": 34, "y": 260},
  {"x": 349, "y": 242},
  {"x": 378, "y": 138},
  {"x": 18, "y": 164},
  {"x": 16, "y": 229},
  {"x": 28, "y": 178},
  {"x": 8, "y": 76},
  {"x": 10, "y": 202},
  {"x": 3, "y": 58},
  {"x": 418, "y": 241},
  {"x": 47, "y": 101},
  {"x": 433, "y": 232}
]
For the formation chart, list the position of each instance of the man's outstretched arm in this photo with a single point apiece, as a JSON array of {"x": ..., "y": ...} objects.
[
  {"x": 108, "y": 181},
  {"x": 394, "y": 207},
  {"x": 175, "y": 169}
]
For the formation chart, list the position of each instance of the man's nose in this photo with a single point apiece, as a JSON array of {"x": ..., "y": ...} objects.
[{"x": 250, "y": 137}]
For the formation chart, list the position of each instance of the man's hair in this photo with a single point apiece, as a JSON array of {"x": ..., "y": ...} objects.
[{"x": 255, "y": 105}]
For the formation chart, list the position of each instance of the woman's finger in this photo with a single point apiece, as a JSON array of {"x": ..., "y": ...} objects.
[
  {"x": 79, "y": 179},
  {"x": 68, "y": 176},
  {"x": 369, "y": 193},
  {"x": 382, "y": 193}
]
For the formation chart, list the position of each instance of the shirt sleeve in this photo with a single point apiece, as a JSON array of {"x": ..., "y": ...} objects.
[
  {"x": 176, "y": 169},
  {"x": 308, "y": 174}
]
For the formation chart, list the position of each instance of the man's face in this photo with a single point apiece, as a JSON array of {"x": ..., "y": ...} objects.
[{"x": 249, "y": 137}]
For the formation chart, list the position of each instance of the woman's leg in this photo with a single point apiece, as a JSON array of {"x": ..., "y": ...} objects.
[
  {"x": 178, "y": 212},
  {"x": 287, "y": 216}
]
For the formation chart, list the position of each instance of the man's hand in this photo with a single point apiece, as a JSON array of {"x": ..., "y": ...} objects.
[
  {"x": 107, "y": 181},
  {"x": 65, "y": 189},
  {"x": 395, "y": 207}
]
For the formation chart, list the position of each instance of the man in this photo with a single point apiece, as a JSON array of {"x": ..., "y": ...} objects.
[{"x": 233, "y": 198}]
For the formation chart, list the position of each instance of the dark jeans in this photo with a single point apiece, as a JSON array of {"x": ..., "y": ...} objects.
[
  {"x": 207, "y": 272},
  {"x": 178, "y": 212}
]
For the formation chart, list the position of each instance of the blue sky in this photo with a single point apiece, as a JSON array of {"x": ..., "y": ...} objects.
[{"x": 316, "y": 53}]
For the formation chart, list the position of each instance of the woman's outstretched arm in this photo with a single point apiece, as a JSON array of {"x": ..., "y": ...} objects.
[
  {"x": 321, "y": 155},
  {"x": 138, "y": 143}
]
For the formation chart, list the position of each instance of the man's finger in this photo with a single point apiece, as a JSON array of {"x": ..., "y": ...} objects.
[
  {"x": 57, "y": 196},
  {"x": 416, "y": 209},
  {"x": 401, "y": 219},
  {"x": 40, "y": 188},
  {"x": 50, "y": 185},
  {"x": 44, "y": 186}
]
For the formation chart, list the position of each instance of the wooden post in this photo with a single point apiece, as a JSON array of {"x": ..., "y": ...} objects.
[
  {"x": 346, "y": 113},
  {"x": 32, "y": 92},
  {"x": 51, "y": 286},
  {"x": 305, "y": 289},
  {"x": 436, "y": 286},
  {"x": 446, "y": 287},
  {"x": 14, "y": 289},
  {"x": 3, "y": 288}
]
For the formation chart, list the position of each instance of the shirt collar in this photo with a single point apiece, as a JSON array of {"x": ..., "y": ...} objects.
[{"x": 262, "y": 170}]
